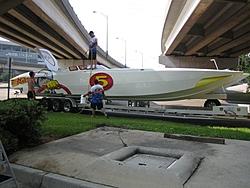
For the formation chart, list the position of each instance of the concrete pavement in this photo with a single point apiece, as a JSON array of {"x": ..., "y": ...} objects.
[
  {"x": 99, "y": 158},
  {"x": 4, "y": 92}
]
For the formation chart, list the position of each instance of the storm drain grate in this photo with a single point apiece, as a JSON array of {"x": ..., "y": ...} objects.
[{"x": 150, "y": 161}]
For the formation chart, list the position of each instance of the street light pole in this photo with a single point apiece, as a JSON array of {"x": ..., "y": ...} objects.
[
  {"x": 107, "y": 35},
  {"x": 141, "y": 57},
  {"x": 125, "y": 50}
]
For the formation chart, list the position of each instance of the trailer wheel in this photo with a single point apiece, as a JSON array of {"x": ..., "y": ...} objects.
[
  {"x": 212, "y": 102},
  {"x": 67, "y": 106},
  {"x": 56, "y": 105},
  {"x": 46, "y": 103}
]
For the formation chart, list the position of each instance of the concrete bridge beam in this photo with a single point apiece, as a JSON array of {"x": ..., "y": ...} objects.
[{"x": 197, "y": 62}]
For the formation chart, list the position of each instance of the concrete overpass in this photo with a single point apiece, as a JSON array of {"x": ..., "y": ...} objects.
[
  {"x": 197, "y": 30},
  {"x": 194, "y": 31},
  {"x": 21, "y": 67},
  {"x": 50, "y": 24}
]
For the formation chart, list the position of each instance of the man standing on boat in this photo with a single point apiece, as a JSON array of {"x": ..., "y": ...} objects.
[{"x": 93, "y": 49}]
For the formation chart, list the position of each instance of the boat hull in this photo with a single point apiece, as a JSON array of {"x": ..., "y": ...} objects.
[{"x": 138, "y": 84}]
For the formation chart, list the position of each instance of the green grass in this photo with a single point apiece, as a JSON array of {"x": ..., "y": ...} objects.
[{"x": 67, "y": 124}]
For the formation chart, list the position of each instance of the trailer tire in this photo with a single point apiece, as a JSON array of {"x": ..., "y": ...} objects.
[
  {"x": 67, "y": 106},
  {"x": 46, "y": 103},
  {"x": 212, "y": 102},
  {"x": 56, "y": 105}
]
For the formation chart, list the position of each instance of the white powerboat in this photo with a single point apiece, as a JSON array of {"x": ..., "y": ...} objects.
[
  {"x": 128, "y": 84},
  {"x": 132, "y": 84}
]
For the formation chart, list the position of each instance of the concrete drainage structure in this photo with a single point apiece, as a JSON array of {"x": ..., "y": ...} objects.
[{"x": 138, "y": 166}]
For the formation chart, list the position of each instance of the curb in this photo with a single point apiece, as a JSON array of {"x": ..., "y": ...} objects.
[
  {"x": 33, "y": 178},
  {"x": 195, "y": 138}
]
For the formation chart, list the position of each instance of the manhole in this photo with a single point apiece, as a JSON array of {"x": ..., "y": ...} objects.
[
  {"x": 138, "y": 166},
  {"x": 150, "y": 161}
]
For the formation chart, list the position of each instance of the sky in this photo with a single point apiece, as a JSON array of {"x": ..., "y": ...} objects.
[{"x": 136, "y": 23}]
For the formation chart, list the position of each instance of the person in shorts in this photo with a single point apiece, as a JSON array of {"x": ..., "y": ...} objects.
[
  {"x": 31, "y": 84},
  {"x": 97, "y": 92},
  {"x": 93, "y": 48}
]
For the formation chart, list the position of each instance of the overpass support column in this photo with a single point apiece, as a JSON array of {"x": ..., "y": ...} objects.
[{"x": 197, "y": 62}]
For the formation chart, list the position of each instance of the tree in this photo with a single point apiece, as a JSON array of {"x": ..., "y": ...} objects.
[
  {"x": 244, "y": 64},
  {"x": 4, "y": 76}
]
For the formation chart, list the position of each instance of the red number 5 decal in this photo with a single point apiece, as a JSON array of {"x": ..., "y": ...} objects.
[{"x": 104, "y": 79}]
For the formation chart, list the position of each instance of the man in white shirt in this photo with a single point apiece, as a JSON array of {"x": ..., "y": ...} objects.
[
  {"x": 97, "y": 97},
  {"x": 93, "y": 48}
]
